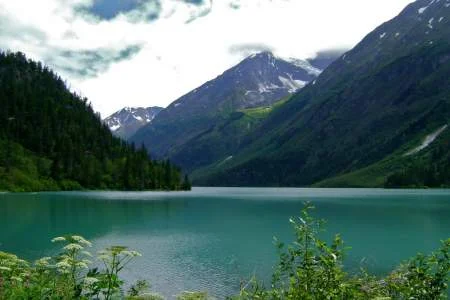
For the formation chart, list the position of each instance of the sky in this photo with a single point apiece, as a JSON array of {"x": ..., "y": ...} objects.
[{"x": 121, "y": 53}]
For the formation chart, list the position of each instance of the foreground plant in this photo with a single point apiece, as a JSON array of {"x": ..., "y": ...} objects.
[
  {"x": 193, "y": 296},
  {"x": 73, "y": 262},
  {"x": 309, "y": 268},
  {"x": 67, "y": 275},
  {"x": 114, "y": 259}
]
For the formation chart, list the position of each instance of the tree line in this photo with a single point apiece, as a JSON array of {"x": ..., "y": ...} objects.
[{"x": 51, "y": 138}]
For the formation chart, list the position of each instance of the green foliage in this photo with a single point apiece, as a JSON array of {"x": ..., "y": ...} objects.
[
  {"x": 263, "y": 112},
  {"x": 146, "y": 296},
  {"x": 311, "y": 269},
  {"x": 141, "y": 291},
  {"x": 193, "y": 296},
  {"x": 51, "y": 139},
  {"x": 67, "y": 275},
  {"x": 424, "y": 277},
  {"x": 114, "y": 259},
  {"x": 138, "y": 288}
]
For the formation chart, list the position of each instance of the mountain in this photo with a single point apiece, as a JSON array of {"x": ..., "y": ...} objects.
[
  {"x": 325, "y": 58},
  {"x": 210, "y": 114},
  {"x": 125, "y": 122},
  {"x": 356, "y": 123},
  {"x": 51, "y": 139}
]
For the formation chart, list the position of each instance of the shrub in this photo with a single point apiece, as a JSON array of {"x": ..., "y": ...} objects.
[
  {"x": 312, "y": 269},
  {"x": 67, "y": 275}
]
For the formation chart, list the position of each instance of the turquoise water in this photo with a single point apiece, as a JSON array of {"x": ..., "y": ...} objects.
[{"x": 213, "y": 238}]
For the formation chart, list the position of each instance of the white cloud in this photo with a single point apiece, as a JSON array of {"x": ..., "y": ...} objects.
[{"x": 188, "y": 45}]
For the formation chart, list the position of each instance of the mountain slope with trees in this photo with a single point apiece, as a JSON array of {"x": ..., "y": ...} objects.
[
  {"x": 377, "y": 100},
  {"x": 204, "y": 125},
  {"x": 51, "y": 138}
]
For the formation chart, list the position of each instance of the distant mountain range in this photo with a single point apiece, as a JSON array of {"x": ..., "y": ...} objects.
[
  {"x": 125, "y": 122},
  {"x": 184, "y": 131}
]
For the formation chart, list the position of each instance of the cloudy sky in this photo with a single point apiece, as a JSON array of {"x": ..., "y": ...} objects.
[{"x": 150, "y": 52}]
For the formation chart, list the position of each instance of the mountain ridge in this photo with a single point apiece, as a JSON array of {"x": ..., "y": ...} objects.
[
  {"x": 125, "y": 122},
  {"x": 384, "y": 92},
  {"x": 260, "y": 80}
]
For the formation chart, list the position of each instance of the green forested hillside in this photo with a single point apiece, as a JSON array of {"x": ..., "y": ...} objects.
[
  {"x": 377, "y": 100},
  {"x": 51, "y": 138},
  {"x": 221, "y": 141},
  {"x": 429, "y": 167}
]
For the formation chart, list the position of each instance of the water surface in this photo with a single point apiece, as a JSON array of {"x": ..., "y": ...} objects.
[{"x": 213, "y": 238}]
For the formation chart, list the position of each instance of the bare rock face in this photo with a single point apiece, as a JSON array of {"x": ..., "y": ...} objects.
[{"x": 125, "y": 122}]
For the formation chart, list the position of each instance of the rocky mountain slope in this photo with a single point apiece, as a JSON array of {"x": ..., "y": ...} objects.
[
  {"x": 258, "y": 81},
  {"x": 125, "y": 122}
]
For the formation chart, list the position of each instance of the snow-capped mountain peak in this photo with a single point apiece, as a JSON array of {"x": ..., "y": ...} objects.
[{"x": 125, "y": 122}]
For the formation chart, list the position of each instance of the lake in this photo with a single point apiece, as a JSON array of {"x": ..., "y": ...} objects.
[{"x": 211, "y": 239}]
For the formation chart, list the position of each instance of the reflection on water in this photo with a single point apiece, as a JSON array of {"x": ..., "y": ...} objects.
[{"x": 212, "y": 238}]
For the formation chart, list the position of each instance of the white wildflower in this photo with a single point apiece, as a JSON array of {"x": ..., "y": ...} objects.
[
  {"x": 5, "y": 269},
  {"x": 104, "y": 257},
  {"x": 81, "y": 240},
  {"x": 334, "y": 256},
  {"x": 22, "y": 262},
  {"x": 42, "y": 262},
  {"x": 90, "y": 280},
  {"x": 63, "y": 265},
  {"x": 58, "y": 239},
  {"x": 73, "y": 246}
]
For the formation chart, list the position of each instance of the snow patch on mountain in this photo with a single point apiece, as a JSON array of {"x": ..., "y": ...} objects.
[
  {"x": 305, "y": 65},
  {"x": 264, "y": 88},
  {"x": 422, "y": 10},
  {"x": 427, "y": 141},
  {"x": 115, "y": 127},
  {"x": 292, "y": 84}
]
